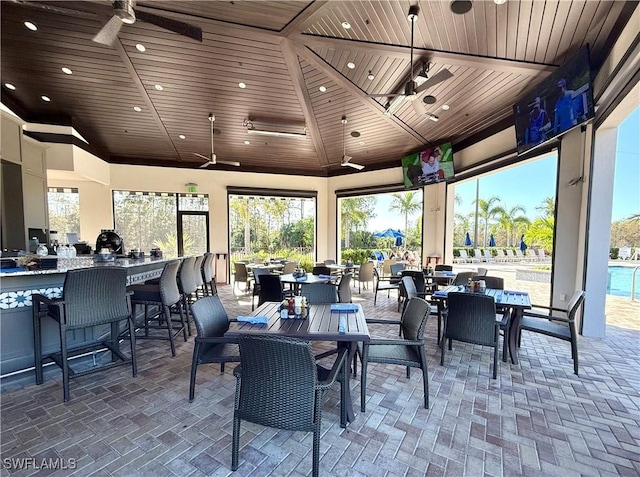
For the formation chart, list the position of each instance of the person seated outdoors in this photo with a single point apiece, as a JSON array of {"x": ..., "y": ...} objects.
[{"x": 409, "y": 257}]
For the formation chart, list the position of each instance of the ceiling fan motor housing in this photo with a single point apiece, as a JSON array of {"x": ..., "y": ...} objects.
[{"x": 123, "y": 9}]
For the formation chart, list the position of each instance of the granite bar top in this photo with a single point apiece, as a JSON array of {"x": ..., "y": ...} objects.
[{"x": 65, "y": 264}]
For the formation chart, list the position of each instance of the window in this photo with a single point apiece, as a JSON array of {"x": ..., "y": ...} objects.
[
  {"x": 148, "y": 220},
  {"x": 64, "y": 213},
  {"x": 270, "y": 224}
]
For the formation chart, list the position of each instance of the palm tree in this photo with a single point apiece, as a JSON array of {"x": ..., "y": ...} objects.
[
  {"x": 540, "y": 232},
  {"x": 461, "y": 225},
  {"x": 508, "y": 220},
  {"x": 406, "y": 204},
  {"x": 354, "y": 212},
  {"x": 547, "y": 207},
  {"x": 486, "y": 211}
]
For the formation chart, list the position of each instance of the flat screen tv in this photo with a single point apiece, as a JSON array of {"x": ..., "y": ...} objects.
[
  {"x": 562, "y": 101},
  {"x": 432, "y": 165}
]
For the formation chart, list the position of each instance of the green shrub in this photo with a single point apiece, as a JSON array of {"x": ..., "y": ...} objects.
[
  {"x": 356, "y": 255},
  {"x": 614, "y": 252}
]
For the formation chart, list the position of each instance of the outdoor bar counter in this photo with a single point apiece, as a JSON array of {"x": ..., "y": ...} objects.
[{"x": 16, "y": 323}]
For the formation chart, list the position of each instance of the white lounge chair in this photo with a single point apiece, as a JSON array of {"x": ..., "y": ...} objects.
[
  {"x": 531, "y": 255},
  {"x": 463, "y": 258},
  {"x": 500, "y": 256},
  {"x": 511, "y": 257},
  {"x": 542, "y": 256},
  {"x": 624, "y": 253},
  {"x": 519, "y": 254},
  {"x": 477, "y": 256},
  {"x": 487, "y": 256}
]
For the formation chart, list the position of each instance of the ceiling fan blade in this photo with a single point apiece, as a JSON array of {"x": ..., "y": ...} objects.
[
  {"x": 202, "y": 156},
  {"x": 390, "y": 95},
  {"x": 175, "y": 26},
  {"x": 206, "y": 164},
  {"x": 346, "y": 158},
  {"x": 439, "y": 77},
  {"x": 229, "y": 163},
  {"x": 109, "y": 32},
  {"x": 355, "y": 166}
]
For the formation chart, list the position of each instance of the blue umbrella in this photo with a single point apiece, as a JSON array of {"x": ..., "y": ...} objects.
[
  {"x": 523, "y": 246},
  {"x": 398, "y": 241},
  {"x": 492, "y": 241},
  {"x": 389, "y": 233},
  {"x": 467, "y": 240}
]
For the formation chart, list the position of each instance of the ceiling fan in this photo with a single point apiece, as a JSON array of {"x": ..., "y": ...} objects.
[
  {"x": 211, "y": 158},
  {"x": 416, "y": 84},
  {"x": 123, "y": 12},
  {"x": 346, "y": 160}
]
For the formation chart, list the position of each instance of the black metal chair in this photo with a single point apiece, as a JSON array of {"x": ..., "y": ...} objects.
[
  {"x": 471, "y": 318},
  {"x": 418, "y": 279},
  {"x": 257, "y": 273},
  {"x": 497, "y": 283},
  {"x": 164, "y": 296},
  {"x": 344, "y": 288},
  {"x": 187, "y": 286},
  {"x": 462, "y": 278},
  {"x": 386, "y": 284},
  {"x": 278, "y": 386},
  {"x": 556, "y": 323},
  {"x": 211, "y": 346},
  {"x": 91, "y": 297},
  {"x": 321, "y": 270},
  {"x": 408, "y": 351},
  {"x": 209, "y": 274},
  {"x": 443, "y": 268},
  {"x": 318, "y": 293}
]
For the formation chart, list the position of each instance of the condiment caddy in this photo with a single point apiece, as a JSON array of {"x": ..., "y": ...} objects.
[{"x": 294, "y": 308}]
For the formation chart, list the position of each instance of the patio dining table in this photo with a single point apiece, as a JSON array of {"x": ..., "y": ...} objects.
[
  {"x": 322, "y": 324},
  {"x": 515, "y": 302},
  {"x": 296, "y": 282}
]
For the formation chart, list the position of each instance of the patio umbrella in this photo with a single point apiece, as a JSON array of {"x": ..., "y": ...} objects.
[
  {"x": 467, "y": 240},
  {"x": 389, "y": 233},
  {"x": 398, "y": 241},
  {"x": 523, "y": 246},
  {"x": 492, "y": 241}
]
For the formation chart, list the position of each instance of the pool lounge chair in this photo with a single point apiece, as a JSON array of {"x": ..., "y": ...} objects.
[
  {"x": 477, "y": 256},
  {"x": 500, "y": 256},
  {"x": 542, "y": 256},
  {"x": 511, "y": 257},
  {"x": 519, "y": 254},
  {"x": 532, "y": 256},
  {"x": 463, "y": 258},
  {"x": 487, "y": 256}
]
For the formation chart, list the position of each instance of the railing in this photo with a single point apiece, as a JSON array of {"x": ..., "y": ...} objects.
[{"x": 633, "y": 283}]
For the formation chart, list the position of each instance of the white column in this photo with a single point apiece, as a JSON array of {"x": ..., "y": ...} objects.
[{"x": 599, "y": 231}]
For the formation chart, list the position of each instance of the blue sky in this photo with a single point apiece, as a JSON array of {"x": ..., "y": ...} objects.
[{"x": 527, "y": 185}]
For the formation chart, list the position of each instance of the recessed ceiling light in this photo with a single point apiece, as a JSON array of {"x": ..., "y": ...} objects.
[
  {"x": 141, "y": 48},
  {"x": 499, "y": 2},
  {"x": 346, "y": 25},
  {"x": 242, "y": 85},
  {"x": 182, "y": 136},
  {"x": 10, "y": 86},
  {"x": 158, "y": 87},
  {"x": 45, "y": 98},
  {"x": 31, "y": 26},
  {"x": 351, "y": 65},
  {"x": 361, "y": 143},
  {"x": 67, "y": 71},
  {"x": 137, "y": 109},
  {"x": 460, "y": 7},
  {"x": 322, "y": 89},
  {"x": 370, "y": 76},
  {"x": 445, "y": 107},
  {"x": 247, "y": 142}
]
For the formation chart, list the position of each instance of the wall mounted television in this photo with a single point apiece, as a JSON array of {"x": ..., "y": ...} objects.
[
  {"x": 434, "y": 164},
  {"x": 562, "y": 101}
]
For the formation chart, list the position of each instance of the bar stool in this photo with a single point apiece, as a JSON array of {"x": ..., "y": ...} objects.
[
  {"x": 209, "y": 275},
  {"x": 163, "y": 295},
  {"x": 197, "y": 275},
  {"x": 187, "y": 286}
]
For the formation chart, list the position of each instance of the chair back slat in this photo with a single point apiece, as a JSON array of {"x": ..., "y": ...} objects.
[
  {"x": 94, "y": 296},
  {"x": 278, "y": 382}
]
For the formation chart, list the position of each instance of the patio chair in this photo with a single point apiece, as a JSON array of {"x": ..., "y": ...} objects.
[
  {"x": 91, "y": 297},
  {"x": 511, "y": 257},
  {"x": 463, "y": 258},
  {"x": 385, "y": 284},
  {"x": 408, "y": 351},
  {"x": 319, "y": 293},
  {"x": 365, "y": 275},
  {"x": 471, "y": 318},
  {"x": 271, "y": 288},
  {"x": 329, "y": 262},
  {"x": 197, "y": 275},
  {"x": 187, "y": 286},
  {"x": 443, "y": 268},
  {"x": 210, "y": 345},
  {"x": 477, "y": 256},
  {"x": 163, "y": 296},
  {"x": 462, "y": 278},
  {"x": 386, "y": 266},
  {"x": 519, "y": 254},
  {"x": 241, "y": 275},
  {"x": 419, "y": 281},
  {"x": 531, "y": 255},
  {"x": 557, "y": 323},
  {"x": 289, "y": 267},
  {"x": 279, "y": 385},
  {"x": 481, "y": 272},
  {"x": 542, "y": 256},
  {"x": 257, "y": 273},
  {"x": 500, "y": 256},
  {"x": 321, "y": 270},
  {"x": 497, "y": 283},
  {"x": 209, "y": 274},
  {"x": 487, "y": 256},
  {"x": 344, "y": 288}
]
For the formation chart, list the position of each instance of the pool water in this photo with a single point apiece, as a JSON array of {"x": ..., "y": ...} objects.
[{"x": 619, "y": 281}]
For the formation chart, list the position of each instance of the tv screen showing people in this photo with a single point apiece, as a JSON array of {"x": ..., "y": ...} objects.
[
  {"x": 559, "y": 103},
  {"x": 434, "y": 164}
]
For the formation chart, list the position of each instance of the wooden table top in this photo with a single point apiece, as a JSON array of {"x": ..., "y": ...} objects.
[{"x": 321, "y": 325}]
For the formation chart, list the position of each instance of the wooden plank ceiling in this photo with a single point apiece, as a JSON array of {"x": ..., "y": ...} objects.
[{"x": 285, "y": 51}]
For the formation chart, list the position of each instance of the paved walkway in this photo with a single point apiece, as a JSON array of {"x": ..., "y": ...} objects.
[{"x": 536, "y": 419}]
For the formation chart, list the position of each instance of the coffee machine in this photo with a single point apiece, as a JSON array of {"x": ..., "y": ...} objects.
[{"x": 110, "y": 240}]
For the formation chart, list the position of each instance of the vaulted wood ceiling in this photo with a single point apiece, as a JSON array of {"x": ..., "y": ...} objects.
[{"x": 284, "y": 51}]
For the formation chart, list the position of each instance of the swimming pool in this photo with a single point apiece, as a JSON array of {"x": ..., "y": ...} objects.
[{"x": 619, "y": 281}]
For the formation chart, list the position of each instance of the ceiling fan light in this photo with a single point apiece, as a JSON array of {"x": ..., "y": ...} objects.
[
  {"x": 413, "y": 13},
  {"x": 499, "y": 2},
  {"x": 432, "y": 117},
  {"x": 123, "y": 9}
]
